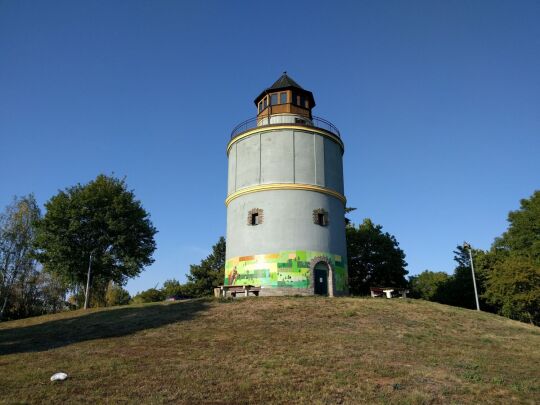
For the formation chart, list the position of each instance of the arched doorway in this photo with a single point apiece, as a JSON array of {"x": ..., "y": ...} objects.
[{"x": 320, "y": 279}]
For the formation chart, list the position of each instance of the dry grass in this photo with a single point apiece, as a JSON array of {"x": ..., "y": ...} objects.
[{"x": 272, "y": 350}]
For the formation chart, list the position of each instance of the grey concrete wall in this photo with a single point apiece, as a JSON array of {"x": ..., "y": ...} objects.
[
  {"x": 333, "y": 166},
  {"x": 288, "y": 223},
  {"x": 303, "y": 158},
  {"x": 231, "y": 185},
  {"x": 277, "y": 157},
  {"x": 285, "y": 156},
  {"x": 248, "y": 162}
]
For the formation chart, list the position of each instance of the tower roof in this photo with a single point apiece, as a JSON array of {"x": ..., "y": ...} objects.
[{"x": 285, "y": 82}]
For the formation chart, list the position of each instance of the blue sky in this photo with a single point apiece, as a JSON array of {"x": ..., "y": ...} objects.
[{"x": 438, "y": 103}]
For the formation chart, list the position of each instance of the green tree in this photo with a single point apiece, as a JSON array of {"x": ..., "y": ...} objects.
[
  {"x": 209, "y": 273},
  {"x": 348, "y": 210},
  {"x": 514, "y": 286},
  {"x": 523, "y": 235},
  {"x": 512, "y": 282},
  {"x": 150, "y": 295},
  {"x": 99, "y": 224},
  {"x": 426, "y": 284},
  {"x": 116, "y": 295},
  {"x": 52, "y": 293},
  {"x": 173, "y": 288},
  {"x": 17, "y": 235},
  {"x": 458, "y": 290},
  {"x": 374, "y": 258}
]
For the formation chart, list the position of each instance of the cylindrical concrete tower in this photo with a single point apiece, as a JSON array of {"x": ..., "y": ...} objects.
[{"x": 285, "y": 200}]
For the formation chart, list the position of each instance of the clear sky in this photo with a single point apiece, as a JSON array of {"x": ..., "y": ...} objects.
[{"x": 438, "y": 103}]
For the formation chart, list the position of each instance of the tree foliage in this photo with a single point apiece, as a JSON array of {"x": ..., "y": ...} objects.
[
  {"x": 116, "y": 295},
  {"x": 150, "y": 295},
  {"x": 507, "y": 275},
  {"x": 426, "y": 284},
  {"x": 374, "y": 258},
  {"x": 17, "y": 234},
  {"x": 102, "y": 219},
  {"x": 173, "y": 288},
  {"x": 523, "y": 235},
  {"x": 513, "y": 278},
  {"x": 458, "y": 289},
  {"x": 25, "y": 289},
  {"x": 514, "y": 287},
  {"x": 210, "y": 273}
]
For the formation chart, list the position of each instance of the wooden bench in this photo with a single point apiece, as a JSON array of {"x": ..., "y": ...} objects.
[
  {"x": 245, "y": 290},
  {"x": 381, "y": 291}
]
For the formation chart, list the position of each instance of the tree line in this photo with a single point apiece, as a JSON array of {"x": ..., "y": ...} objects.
[
  {"x": 507, "y": 274},
  {"x": 94, "y": 237},
  {"x": 201, "y": 280}
]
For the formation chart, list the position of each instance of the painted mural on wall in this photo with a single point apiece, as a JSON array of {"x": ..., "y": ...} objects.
[{"x": 288, "y": 268}]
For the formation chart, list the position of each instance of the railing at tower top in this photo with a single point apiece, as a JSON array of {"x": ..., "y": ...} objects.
[{"x": 258, "y": 122}]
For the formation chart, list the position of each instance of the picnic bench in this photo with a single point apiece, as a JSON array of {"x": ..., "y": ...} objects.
[
  {"x": 381, "y": 291},
  {"x": 244, "y": 290}
]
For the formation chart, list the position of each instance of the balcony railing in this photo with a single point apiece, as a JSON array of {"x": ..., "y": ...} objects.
[{"x": 266, "y": 121}]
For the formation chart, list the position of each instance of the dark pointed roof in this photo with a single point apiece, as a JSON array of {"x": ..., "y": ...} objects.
[{"x": 283, "y": 83}]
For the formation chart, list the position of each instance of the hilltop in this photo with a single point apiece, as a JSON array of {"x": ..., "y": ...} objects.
[{"x": 277, "y": 350}]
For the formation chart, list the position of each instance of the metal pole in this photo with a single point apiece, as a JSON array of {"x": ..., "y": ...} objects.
[
  {"x": 473, "y": 278},
  {"x": 86, "y": 295}
]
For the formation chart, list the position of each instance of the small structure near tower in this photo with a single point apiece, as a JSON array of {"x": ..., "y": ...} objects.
[{"x": 285, "y": 200}]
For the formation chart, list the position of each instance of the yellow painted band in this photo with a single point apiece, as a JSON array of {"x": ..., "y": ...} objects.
[
  {"x": 285, "y": 186},
  {"x": 278, "y": 127}
]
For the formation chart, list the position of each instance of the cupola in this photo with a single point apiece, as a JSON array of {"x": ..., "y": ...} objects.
[{"x": 285, "y": 96}]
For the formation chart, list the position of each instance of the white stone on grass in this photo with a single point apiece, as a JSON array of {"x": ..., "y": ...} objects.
[{"x": 59, "y": 377}]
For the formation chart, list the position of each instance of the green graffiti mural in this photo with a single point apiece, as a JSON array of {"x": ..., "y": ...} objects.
[{"x": 288, "y": 268}]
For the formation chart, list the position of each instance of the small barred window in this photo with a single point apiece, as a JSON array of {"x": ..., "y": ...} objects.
[
  {"x": 255, "y": 217},
  {"x": 320, "y": 217}
]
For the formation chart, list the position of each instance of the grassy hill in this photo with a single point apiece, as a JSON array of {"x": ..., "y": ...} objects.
[{"x": 271, "y": 350}]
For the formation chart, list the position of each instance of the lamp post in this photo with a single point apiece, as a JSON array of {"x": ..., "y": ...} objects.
[
  {"x": 87, "y": 295},
  {"x": 468, "y": 247}
]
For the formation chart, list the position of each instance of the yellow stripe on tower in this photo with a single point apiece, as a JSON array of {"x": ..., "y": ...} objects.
[
  {"x": 277, "y": 127},
  {"x": 285, "y": 186}
]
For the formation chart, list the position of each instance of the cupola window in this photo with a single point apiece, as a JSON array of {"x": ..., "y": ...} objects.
[
  {"x": 273, "y": 99},
  {"x": 283, "y": 98}
]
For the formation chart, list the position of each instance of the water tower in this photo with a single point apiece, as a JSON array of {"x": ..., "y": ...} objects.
[{"x": 285, "y": 200}]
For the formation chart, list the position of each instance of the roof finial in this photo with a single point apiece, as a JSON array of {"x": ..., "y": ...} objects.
[{"x": 285, "y": 72}]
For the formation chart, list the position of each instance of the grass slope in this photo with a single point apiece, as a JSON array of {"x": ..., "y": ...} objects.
[{"x": 271, "y": 350}]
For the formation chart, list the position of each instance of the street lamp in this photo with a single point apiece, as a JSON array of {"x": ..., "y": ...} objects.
[
  {"x": 468, "y": 247},
  {"x": 86, "y": 293}
]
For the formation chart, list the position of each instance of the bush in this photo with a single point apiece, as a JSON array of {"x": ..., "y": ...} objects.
[
  {"x": 116, "y": 295},
  {"x": 150, "y": 295}
]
